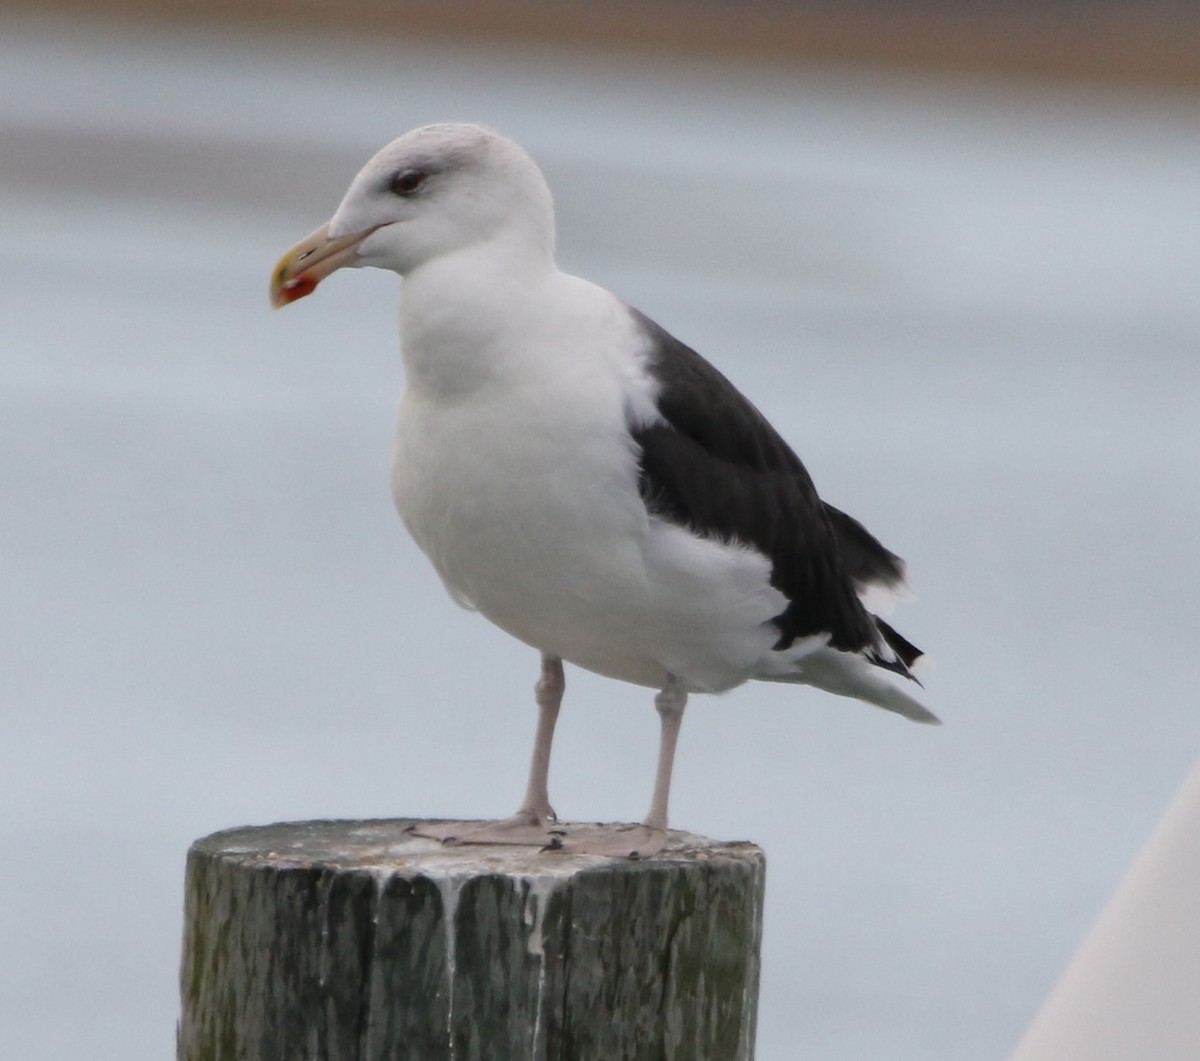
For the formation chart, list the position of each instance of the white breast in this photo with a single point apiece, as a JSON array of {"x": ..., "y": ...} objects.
[{"x": 514, "y": 471}]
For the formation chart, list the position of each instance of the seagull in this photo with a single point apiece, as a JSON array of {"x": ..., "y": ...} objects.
[{"x": 586, "y": 481}]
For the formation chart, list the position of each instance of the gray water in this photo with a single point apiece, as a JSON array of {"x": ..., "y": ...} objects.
[{"x": 970, "y": 305}]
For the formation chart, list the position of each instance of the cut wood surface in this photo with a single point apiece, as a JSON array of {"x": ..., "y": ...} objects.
[{"x": 355, "y": 940}]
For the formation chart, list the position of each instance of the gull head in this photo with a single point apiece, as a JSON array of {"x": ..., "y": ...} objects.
[{"x": 437, "y": 191}]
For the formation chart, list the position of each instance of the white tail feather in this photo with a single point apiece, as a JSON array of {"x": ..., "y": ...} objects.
[{"x": 847, "y": 674}]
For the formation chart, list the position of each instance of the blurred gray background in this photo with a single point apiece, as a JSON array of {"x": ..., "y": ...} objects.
[{"x": 962, "y": 284}]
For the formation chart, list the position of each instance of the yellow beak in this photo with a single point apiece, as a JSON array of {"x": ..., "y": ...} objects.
[{"x": 311, "y": 260}]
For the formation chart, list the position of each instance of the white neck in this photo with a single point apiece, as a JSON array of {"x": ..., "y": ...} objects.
[{"x": 458, "y": 310}]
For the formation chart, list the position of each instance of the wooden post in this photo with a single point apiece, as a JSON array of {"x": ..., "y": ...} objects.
[{"x": 356, "y": 941}]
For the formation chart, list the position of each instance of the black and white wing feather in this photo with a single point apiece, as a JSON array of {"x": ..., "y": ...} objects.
[{"x": 714, "y": 464}]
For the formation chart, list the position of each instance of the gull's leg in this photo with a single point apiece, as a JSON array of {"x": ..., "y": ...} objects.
[
  {"x": 640, "y": 841},
  {"x": 536, "y": 809},
  {"x": 532, "y": 824},
  {"x": 670, "y": 703}
]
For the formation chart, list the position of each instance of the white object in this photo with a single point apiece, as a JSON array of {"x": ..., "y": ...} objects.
[{"x": 1132, "y": 992}]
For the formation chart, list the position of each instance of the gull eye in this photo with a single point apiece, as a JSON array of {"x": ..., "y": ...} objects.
[{"x": 408, "y": 181}]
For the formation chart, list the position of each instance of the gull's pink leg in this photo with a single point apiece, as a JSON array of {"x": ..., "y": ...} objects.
[
  {"x": 548, "y": 692},
  {"x": 670, "y": 703},
  {"x": 531, "y": 825},
  {"x": 640, "y": 841},
  {"x": 533, "y": 822}
]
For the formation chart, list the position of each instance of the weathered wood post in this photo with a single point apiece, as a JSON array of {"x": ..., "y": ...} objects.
[{"x": 356, "y": 941}]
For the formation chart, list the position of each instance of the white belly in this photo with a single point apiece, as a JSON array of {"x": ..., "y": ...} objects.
[{"x": 526, "y": 502}]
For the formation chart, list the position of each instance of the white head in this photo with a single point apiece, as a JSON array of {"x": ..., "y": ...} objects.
[{"x": 435, "y": 191}]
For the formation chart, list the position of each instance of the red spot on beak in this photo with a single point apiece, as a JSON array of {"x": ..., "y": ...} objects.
[{"x": 297, "y": 287}]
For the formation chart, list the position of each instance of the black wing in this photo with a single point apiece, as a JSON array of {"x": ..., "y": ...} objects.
[
  {"x": 715, "y": 464},
  {"x": 867, "y": 562}
]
